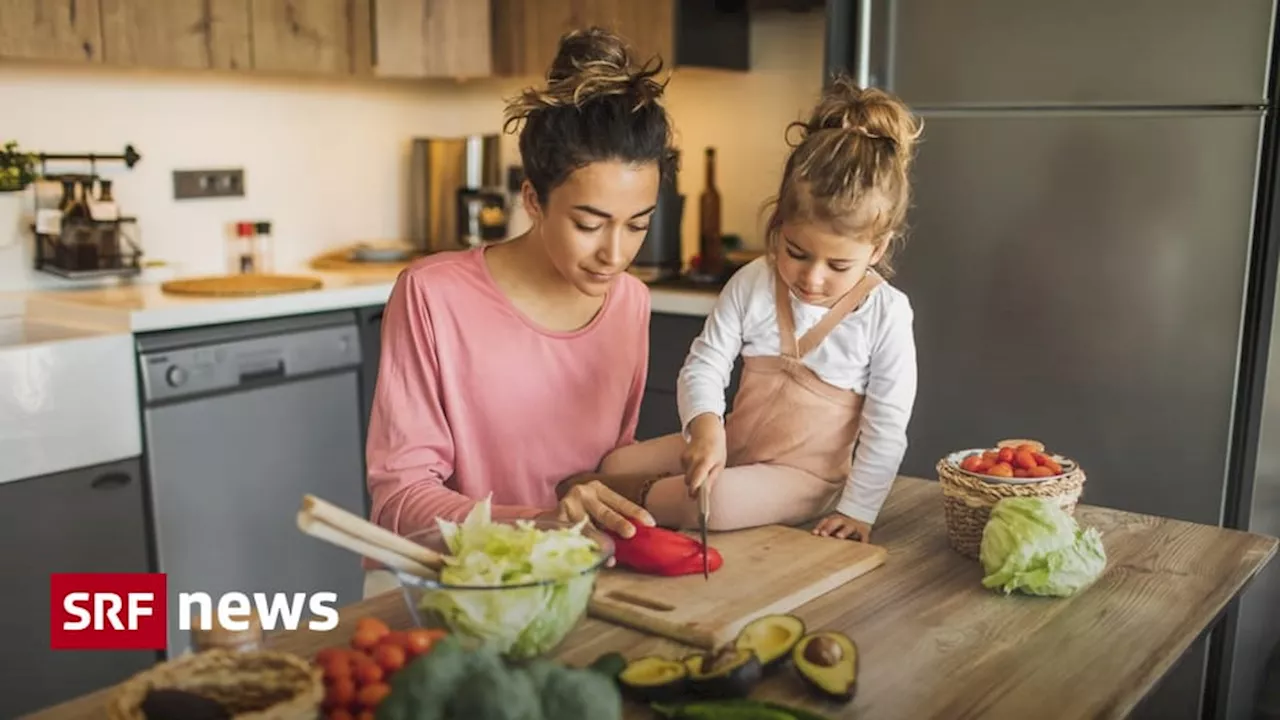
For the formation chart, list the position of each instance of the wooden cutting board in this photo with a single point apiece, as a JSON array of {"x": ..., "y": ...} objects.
[{"x": 766, "y": 570}]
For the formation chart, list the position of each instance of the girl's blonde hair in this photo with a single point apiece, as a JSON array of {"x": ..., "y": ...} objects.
[{"x": 850, "y": 168}]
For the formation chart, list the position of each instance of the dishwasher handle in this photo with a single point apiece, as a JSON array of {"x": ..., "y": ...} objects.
[{"x": 258, "y": 373}]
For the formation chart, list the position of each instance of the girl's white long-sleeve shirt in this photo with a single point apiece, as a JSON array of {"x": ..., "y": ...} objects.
[{"x": 871, "y": 352}]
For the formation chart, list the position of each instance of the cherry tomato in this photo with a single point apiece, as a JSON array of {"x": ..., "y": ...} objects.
[
  {"x": 1041, "y": 471},
  {"x": 1001, "y": 470},
  {"x": 420, "y": 640},
  {"x": 338, "y": 668},
  {"x": 1005, "y": 455},
  {"x": 984, "y": 465},
  {"x": 1052, "y": 465},
  {"x": 971, "y": 463},
  {"x": 366, "y": 715},
  {"x": 992, "y": 455},
  {"x": 365, "y": 640},
  {"x": 339, "y": 714},
  {"x": 390, "y": 657},
  {"x": 1019, "y": 472},
  {"x": 1024, "y": 460},
  {"x": 370, "y": 695},
  {"x": 340, "y": 694},
  {"x": 1028, "y": 447},
  {"x": 369, "y": 673}
]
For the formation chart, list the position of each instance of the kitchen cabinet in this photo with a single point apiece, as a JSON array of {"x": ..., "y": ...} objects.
[
  {"x": 57, "y": 30},
  {"x": 330, "y": 37},
  {"x": 526, "y": 33},
  {"x": 86, "y": 520},
  {"x": 432, "y": 38},
  {"x": 670, "y": 337},
  {"x": 177, "y": 34},
  {"x": 370, "y": 322}
]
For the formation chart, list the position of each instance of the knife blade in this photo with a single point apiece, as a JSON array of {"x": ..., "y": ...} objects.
[{"x": 704, "y": 509}]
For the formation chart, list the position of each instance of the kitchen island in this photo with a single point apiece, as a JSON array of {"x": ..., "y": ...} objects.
[{"x": 934, "y": 644}]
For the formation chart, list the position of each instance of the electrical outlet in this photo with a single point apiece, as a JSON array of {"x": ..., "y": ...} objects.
[{"x": 192, "y": 184}]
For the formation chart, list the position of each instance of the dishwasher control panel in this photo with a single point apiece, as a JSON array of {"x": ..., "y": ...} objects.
[{"x": 198, "y": 370}]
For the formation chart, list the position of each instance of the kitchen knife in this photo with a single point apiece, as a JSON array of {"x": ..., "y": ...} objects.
[{"x": 704, "y": 509}]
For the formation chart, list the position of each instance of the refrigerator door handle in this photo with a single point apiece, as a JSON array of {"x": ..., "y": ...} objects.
[
  {"x": 862, "y": 45},
  {"x": 859, "y": 41}
]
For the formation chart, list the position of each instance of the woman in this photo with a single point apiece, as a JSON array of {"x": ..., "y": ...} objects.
[{"x": 510, "y": 371}]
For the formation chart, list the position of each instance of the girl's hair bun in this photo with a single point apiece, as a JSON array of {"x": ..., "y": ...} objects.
[{"x": 869, "y": 112}]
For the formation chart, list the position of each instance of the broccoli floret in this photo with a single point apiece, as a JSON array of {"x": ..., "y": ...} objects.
[
  {"x": 573, "y": 694},
  {"x": 420, "y": 690},
  {"x": 493, "y": 692}
]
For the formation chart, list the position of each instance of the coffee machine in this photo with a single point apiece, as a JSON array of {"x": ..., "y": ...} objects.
[{"x": 457, "y": 199}]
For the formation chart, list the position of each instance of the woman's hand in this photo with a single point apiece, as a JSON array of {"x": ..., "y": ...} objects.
[
  {"x": 842, "y": 526},
  {"x": 704, "y": 456},
  {"x": 606, "y": 509}
]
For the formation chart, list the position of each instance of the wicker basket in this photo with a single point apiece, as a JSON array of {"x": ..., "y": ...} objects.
[
  {"x": 967, "y": 501},
  {"x": 257, "y": 685}
]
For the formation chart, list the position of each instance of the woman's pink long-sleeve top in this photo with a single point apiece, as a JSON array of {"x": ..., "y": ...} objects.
[{"x": 474, "y": 398}]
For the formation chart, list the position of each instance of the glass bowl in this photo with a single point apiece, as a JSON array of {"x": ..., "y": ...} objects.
[{"x": 519, "y": 621}]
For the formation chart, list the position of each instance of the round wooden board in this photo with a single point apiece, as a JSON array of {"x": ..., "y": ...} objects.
[{"x": 241, "y": 285}]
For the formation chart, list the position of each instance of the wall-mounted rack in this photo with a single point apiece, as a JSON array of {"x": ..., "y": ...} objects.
[{"x": 129, "y": 157}]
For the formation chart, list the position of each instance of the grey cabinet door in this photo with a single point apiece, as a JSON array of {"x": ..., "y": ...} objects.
[
  {"x": 658, "y": 415},
  {"x": 670, "y": 337},
  {"x": 87, "y": 520}
]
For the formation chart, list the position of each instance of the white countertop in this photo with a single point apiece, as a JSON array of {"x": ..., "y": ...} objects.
[{"x": 141, "y": 308}]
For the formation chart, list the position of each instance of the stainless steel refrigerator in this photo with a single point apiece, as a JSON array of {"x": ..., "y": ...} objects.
[{"x": 1090, "y": 258}]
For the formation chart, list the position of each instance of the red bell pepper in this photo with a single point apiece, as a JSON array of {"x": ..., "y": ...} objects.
[{"x": 658, "y": 551}]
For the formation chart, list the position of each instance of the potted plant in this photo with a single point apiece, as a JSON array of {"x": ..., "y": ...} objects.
[{"x": 17, "y": 172}]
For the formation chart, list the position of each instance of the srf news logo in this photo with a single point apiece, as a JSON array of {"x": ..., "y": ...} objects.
[{"x": 129, "y": 611}]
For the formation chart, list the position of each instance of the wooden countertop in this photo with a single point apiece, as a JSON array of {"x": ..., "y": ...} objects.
[{"x": 935, "y": 644}]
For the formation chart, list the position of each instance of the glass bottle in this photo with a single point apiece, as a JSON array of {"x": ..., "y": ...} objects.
[{"x": 710, "y": 245}]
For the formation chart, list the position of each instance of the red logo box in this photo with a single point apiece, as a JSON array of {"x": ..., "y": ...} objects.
[{"x": 108, "y": 611}]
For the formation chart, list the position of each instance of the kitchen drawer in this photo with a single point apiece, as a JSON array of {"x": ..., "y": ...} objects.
[
  {"x": 670, "y": 337},
  {"x": 90, "y": 519}
]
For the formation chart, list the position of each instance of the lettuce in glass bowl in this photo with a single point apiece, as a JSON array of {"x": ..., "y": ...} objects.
[{"x": 517, "y": 587}]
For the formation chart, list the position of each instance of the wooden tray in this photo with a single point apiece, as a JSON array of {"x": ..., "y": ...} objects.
[
  {"x": 241, "y": 285},
  {"x": 769, "y": 569}
]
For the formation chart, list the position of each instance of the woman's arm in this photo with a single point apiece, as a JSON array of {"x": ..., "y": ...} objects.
[
  {"x": 409, "y": 451},
  {"x": 890, "y": 396}
]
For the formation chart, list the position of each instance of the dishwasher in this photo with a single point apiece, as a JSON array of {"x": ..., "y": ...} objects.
[{"x": 239, "y": 422}]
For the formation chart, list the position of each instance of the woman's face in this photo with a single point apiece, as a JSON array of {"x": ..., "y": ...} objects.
[{"x": 593, "y": 223}]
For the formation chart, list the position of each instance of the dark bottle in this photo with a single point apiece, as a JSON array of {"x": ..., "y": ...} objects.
[{"x": 710, "y": 245}]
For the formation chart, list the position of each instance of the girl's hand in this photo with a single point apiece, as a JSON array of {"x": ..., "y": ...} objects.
[
  {"x": 842, "y": 526},
  {"x": 704, "y": 456}
]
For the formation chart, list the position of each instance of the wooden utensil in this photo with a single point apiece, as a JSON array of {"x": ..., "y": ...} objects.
[
  {"x": 769, "y": 569},
  {"x": 251, "y": 284},
  {"x": 328, "y": 522}
]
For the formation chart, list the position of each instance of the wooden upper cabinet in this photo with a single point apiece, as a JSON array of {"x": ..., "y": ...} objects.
[
  {"x": 51, "y": 30},
  {"x": 526, "y": 33},
  {"x": 432, "y": 38},
  {"x": 312, "y": 36},
  {"x": 186, "y": 34}
]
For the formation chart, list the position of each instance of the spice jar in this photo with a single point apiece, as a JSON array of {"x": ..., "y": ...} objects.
[{"x": 218, "y": 636}]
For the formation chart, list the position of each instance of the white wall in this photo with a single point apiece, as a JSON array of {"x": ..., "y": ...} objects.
[{"x": 326, "y": 161}]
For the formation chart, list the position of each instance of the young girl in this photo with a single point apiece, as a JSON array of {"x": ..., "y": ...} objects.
[{"x": 818, "y": 426}]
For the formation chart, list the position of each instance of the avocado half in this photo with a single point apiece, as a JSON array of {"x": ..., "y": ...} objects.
[
  {"x": 729, "y": 673},
  {"x": 654, "y": 679},
  {"x": 771, "y": 638},
  {"x": 828, "y": 662}
]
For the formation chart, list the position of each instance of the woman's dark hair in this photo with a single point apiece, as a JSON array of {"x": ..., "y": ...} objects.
[{"x": 596, "y": 105}]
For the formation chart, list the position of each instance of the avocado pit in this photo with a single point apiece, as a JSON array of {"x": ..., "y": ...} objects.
[{"x": 828, "y": 663}]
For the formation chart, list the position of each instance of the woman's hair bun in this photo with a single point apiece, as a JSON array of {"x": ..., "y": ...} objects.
[{"x": 593, "y": 63}]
